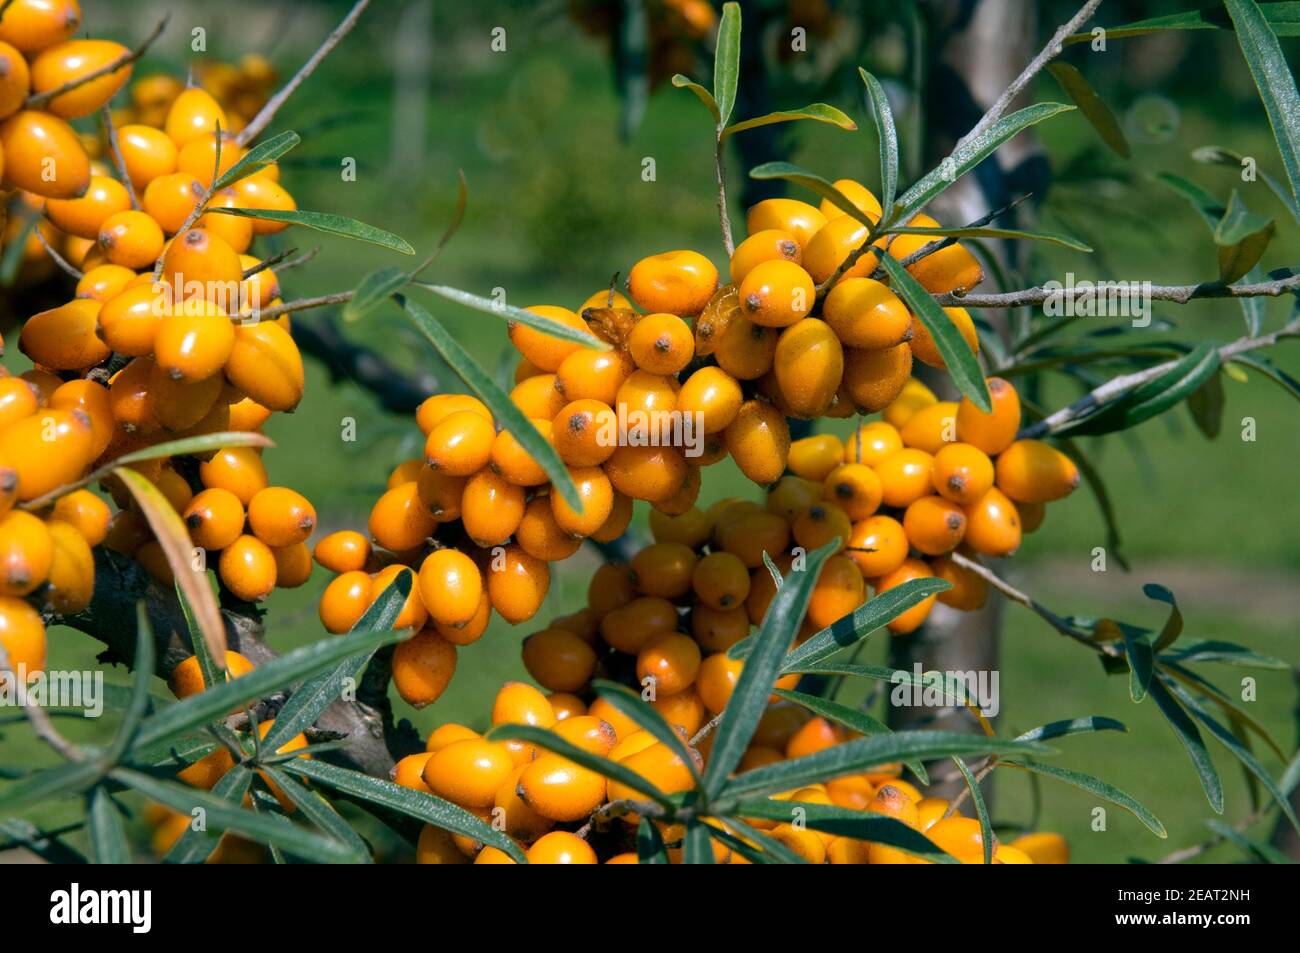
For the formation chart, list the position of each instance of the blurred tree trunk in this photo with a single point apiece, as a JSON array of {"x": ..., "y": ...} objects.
[{"x": 976, "y": 50}]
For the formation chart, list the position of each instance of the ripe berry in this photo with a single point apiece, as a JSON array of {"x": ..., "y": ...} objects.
[
  {"x": 451, "y": 586},
  {"x": 460, "y": 444},
  {"x": 799, "y": 219},
  {"x": 712, "y": 395},
  {"x": 674, "y": 282},
  {"x": 344, "y": 601},
  {"x": 771, "y": 244},
  {"x": 34, "y": 25},
  {"x": 147, "y": 154},
  {"x": 545, "y": 350},
  {"x": 597, "y": 496},
  {"x": 593, "y": 375},
  {"x": 871, "y": 443},
  {"x": 857, "y": 193},
  {"x": 491, "y": 508},
  {"x": 993, "y": 525},
  {"x": 630, "y": 627},
  {"x": 776, "y": 294},
  {"x": 194, "y": 113},
  {"x": 85, "y": 216},
  {"x": 671, "y": 660},
  {"x": 905, "y": 476},
  {"x": 873, "y": 379},
  {"x": 237, "y": 469},
  {"x": 993, "y": 432},
  {"x": 746, "y": 350},
  {"x": 279, "y": 516},
  {"x": 561, "y": 847},
  {"x": 854, "y": 487},
  {"x": 923, "y": 346},
  {"x": 70, "y": 61},
  {"x": 560, "y": 661},
  {"x": 261, "y": 193},
  {"x": 26, "y": 553},
  {"x": 64, "y": 338},
  {"x": 399, "y": 520},
  {"x": 661, "y": 343},
  {"x": 646, "y": 472},
  {"x": 44, "y": 156},
  {"x": 22, "y": 633},
  {"x": 47, "y": 450},
  {"x": 878, "y": 545},
  {"x": 831, "y": 247},
  {"x": 215, "y": 518},
  {"x": 510, "y": 459},
  {"x": 962, "y": 473},
  {"x": 969, "y": 589},
  {"x": 759, "y": 441},
  {"x": 951, "y": 269},
  {"x": 809, "y": 364},
  {"x": 194, "y": 343},
  {"x": 247, "y": 567},
  {"x": 517, "y": 583},
  {"x": 187, "y": 677},
  {"x": 129, "y": 321},
  {"x": 200, "y": 264},
  {"x": 866, "y": 314},
  {"x": 537, "y": 397},
  {"x": 265, "y": 365},
  {"x": 84, "y": 511},
  {"x": 423, "y": 666},
  {"x": 932, "y": 427},
  {"x": 560, "y": 790},
  {"x": 934, "y": 525},
  {"x": 821, "y": 523},
  {"x": 342, "y": 551},
  {"x": 1031, "y": 471}
]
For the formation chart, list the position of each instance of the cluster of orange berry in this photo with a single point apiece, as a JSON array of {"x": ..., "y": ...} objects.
[
  {"x": 160, "y": 342},
  {"x": 560, "y": 812}
]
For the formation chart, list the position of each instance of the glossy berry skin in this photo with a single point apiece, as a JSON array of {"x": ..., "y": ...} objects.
[
  {"x": 194, "y": 113},
  {"x": 873, "y": 379},
  {"x": 561, "y": 847},
  {"x": 809, "y": 364},
  {"x": 71, "y": 61},
  {"x": 342, "y": 551},
  {"x": 460, "y": 444},
  {"x": 85, "y": 216},
  {"x": 993, "y": 525},
  {"x": 713, "y": 396},
  {"x": 759, "y": 441},
  {"x": 247, "y": 567},
  {"x": 799, "y": 219},
  {"x": 934, "y": 526},
  {"x": 675, "y": 282},
  {"x": 187, "y": 677},
  {"x": 1030, "y": 471},
  {"x": 923, "y": 346},
  {"x": 399, "y": 520},
  {"x": 962, "y": 473},
  {"x": 491, "y": 508},
  {"x": 279, "y": 516},
  {"x": 776, "y": 294},
  {"x": 423, "y": 667},
  {"x": 266, "y": 365},
  {"x": 468, "y": 772},
  {"x": 47, "y": 450},
  {"x": 661, "y": 343},
  {"x": 544, "y": 350},
  {"x": 344, "y": 601},
  {"x": 215, "y": 518},
  {"x": 195, "y": 343},
  {"x": 560, "y": 661},
  {"x": 560, "y": 790},
  {"x": 64, "y": 338},
  {"x": 518, "y": 585},
  {"x": 44, "y": 156},
  {"x": 866, "y": 314},
  {"x": 26, "y": 553},
  {"x": 671, "y": 660},
  {"x": 597, "y": 496},
  {"x": 237, "y": 469},
  {"x": 646, "y": 472},
  {"x": 34, "y": 25},
  {"x": 22, "y": 633},
  {"x": 878, "y": 545},
  {"x": 969, "y": 589},
  {"x": 992, "y": 432},
  {"x": 451, "y": 586}
]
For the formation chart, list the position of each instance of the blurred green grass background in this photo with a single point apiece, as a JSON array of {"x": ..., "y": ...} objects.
[{"x": 557, "y": 204}]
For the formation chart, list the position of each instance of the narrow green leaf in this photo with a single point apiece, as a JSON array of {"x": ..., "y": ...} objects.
[
  {"x": 374, "y": 289},
  {"x": 423, "y": 807},
  {"x": 726, "y": 62},
  {"x": 196, "y": 846},
  {"x": 1206, "y": 205},
  {"x": 508, "y": 312},
  {"x": 507, "y": 415},
  {"x": 649, "y": 845},
  {"x": 1152, "y": 398},
  {"x": 1270, "y": 370},
  {"x": 818, "y": 112},
  {"x": 948, "y": 686},
  {"x": 213, "y": 704},
  {"x": 963, "y": 366},
  {"x": 1219, "y": 155},
  {"x": 704, "y": 96},
  {"x": 320, "y": 812},
  {"x": 1174, "y": 624},
  {"x": 792, "y": 173},
  {"x": 1074, "y": 726},
  {"x": 698, "y": 846},
  {"x": 108, "y": 844},
  {"x": 193, "y": 446},
  {"x": 843, "y": 822},
  {"x": 208, "y": 668},
  {"x": 850, "y": 718},
  {"x": 1096, "y": 787},
  {"x": 141, "y": 675},
  {"x": 1273, "y": 78},
  {"x": 1283, "y": 17},
  {"x": 1141, "y": 663},
  {"x": 1092, "y": 106},
  {"x": 257, "y": 158},
  {"x": 647, "y": 716},
  {"x": 222, "y": 815},
  {"x": 326, "y": 222},
  {"x": 990, "y": 231},
  {"x": 1209, "y": 650},
  {"x": 1242, "y": 237},
  {"x": 972, "y": 153},
  {"x": 1264, "y": 853},
  {"x": 1206, "y": 405},
  {"x": 770, "y": 850},
  {"x": 981, "y": 809},
  {"x": 749, "y": 699},
  {"x": 888, "y": 136},
  {"x": 863, "y": 753},
  {"x": 1186, "y": 731},
  {"x": 63, "y": 780}
]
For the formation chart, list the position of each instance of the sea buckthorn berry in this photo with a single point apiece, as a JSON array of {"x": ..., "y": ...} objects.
[
  {"x": 408, "y": 772},
  {"x": 422, "y": 668},
  {"x": 717, "y": 630},
  {"x": 721, "y": 581},
  {"x": 153, "y": 560},
  {"x": 92, "y": 399},
  {"x": 671, "y": 661},
  {"x": 541, "y": 536},
  {"x": 561, "y": 847},
  {"x": 559, "y": 789},
  {"x": 717, "y": 680},
  {"x": 692, "y": 528},
  {"x": 447, "y": 734},
  {"x": 661, "y": 766},
  {"x": 72, "y": 61},
  {"x": 831, "y": 247},
  {"x": 246, "y": 414},
  {"x": 839, "y": 590},
  {"x": 215, "y": 518},
  {"x": 809, "y": 363},
  {"x": 798, "y": 219},
  {"x": 187, "y": 678},
  {"x": 517, "y": 703},
  {"x": 33, "y": 25},
  {"x": 85, "y": 216},
  {"x": 413, "y": 613},
  {"x": 962, "y": 473},
  {"x": 661, "y": 343},
  {"x": 408, "y": 471},
  {"x": 469, "y": 632},
  {"x": 1042, "y": 847},
  {"x": 714, "y": 396},
  {"x": 199, "y": 264},
  {"x": 969, "y": 589},
  {"x": 866, "y": 314},
  {"x": 63, "y": 338},
  {"x": 131, "y": 396},
  {"x": 771, "y": 244},
  {"x": 816, "y": 734},
  {"x": 855, "y": 488},
  {"x": 878, "y": 546},
  {"x": 1030, "y": 471},
  {"x": 871, "y": 443},
  {"x": 260, "y": 288},
  {"x": 597, "y": 496},
  {"x": 792, "y": 495},
  {"x": 194, "y": 113},
  {"x": 198, "y": 157},
  {"x": 961, "y": 837},
  {"x": 15, "y": 79},
  {"x": 292, "y": 565},
  {"x": 605, "y": 298},
  {"x": 993, "y": 525},
  {"x": 646, "y": 394},
  {"x": 912, "y": 619},
  {"x": 47, "y": 450},
  {"x": 512, "y": 814},
  {"x": 104, "y": 282},
  {"x": 873, "y": 379},
  {"x": 85, "y": 512},
  {"x": 759, "y": 441},
  {"x": 517, "y": 584},
  {"x": 279, "y": 516},
  {"x": 37, "y": 145},
  {"x": 26, "y": 553},
  {"x": 646, "y": 472},
  {"x": 746, "y": 350},
  {"x": 610, "y": 587},
  {"x": 593, "y": 375},
  {"x": 18, "y": 399},
  {"x": 237, "y": 469},
  {"x": 568, "y": 706},
  {"x": 491, "y": 508},
  {"x": 915, "y": 396},
  {"x": 195, "y": 343},
  {"x": 399, "y": 520},
  {"x": 629, "y": 627},
  {"x": 947, "y": 270},
  {"x": 664, "y": 570},
  {"x": 674, "y": 282},
  {"x": 813, "y": 458},
  {"x": 932, "y": 427},
  {"x": 993, "y": 432},
  {"x": 560, "y": 661},
  {"x": 546, "y": 351},
  {"x": 905, "y": 476},
  {"x": 22, "y": 633},
  {"x": 776, "y": 294},
  {"x": 265, "y": 365},
  {"x": 536, "y": 396},
  {"x": 437, "y": 846},
  {"x": 262, "y": 194},
  {"x": 512, "y": 461},
  {"x": 923, "y": 346},
  {"x": 862, "y": 198},
  {"x": 169, "y": 199},
  {"x": 751, "y": 534},
  {"x": 587, "y": 732},
  {"x": 247, "y": 567},
  {"x": 439, "y": 407},
  {"x": 1031, "y": 515},
  {"x": 934, "y": 525},
  {"x": 147, "y": 154},
  {"x": 441, "y": 493},
  {"x": 460, "y": 444},
  {"x": 468, "y": 772},
  {"x": 821, "y": 523},
  {"x": 129, "y": 322}
]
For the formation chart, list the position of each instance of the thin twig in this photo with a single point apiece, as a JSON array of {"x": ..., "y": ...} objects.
[
  {"x": 58, "y": 259},
  {"x": 704, "y": 731},
  {"x": 269, "y": 262},
  {"x": 200, "y": 207},
  {"x": 1018, "y": 85},
  {"x": 41, "y": 100},
  {"x": 1179, "y": 294},
  {"x": 106, "y": 117},
  {"x": 40, "y": 719},
  {"x": 961, "y": 795},
  {"x": 1124, "y": 382},
  {"x": 304, "y": 304},
  {"x": 300, "y": 260},
  {"x": 264, "y": 118}
]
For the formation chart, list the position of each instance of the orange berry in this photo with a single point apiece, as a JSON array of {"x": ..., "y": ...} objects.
[
  {"x": 746, "y": 350},
  {"x": 451, "y": 586},
  {"x": 993, "y": 432},
  {"x": 344, "y": 601},
  {"x": 194, "y": 113},
  {"x": 545, "y": 350},
  {"x": 923, "y": 346},
  {"x": 664, "y": 570},
  {"x": 878, "y": 546},
  {"x": 721, "y": 581},
  {"x": 423, "y": 666},
  {"x": 597, "y": 496},
  {"x": 826, "y": 251},
  {"x": 147, "y": 154},
  {"x": 931, "y": 427},
  {"x": 587, "y": 374},
  {"x": 776, "y": 294},
  {"x": 759, "y": 441},
  {"x": 809, "y": 364},
  {"x": 64, "y": 338},
  {"x": 912, "y": 619},
  {"x": 198, "y": 157},
  {"x": 437, "y": 846},
  {"x": 857, "y": 193},
  {"x": 399, "y": 520},
  {"x": 537, "y": 397},
  {"x": 561, "y": 847},
  {"x": 265, "y": 365},
  {"x": 866, "y": 314},
  {"x": 187, "y": 678},
  {"x": 616, "y": 524},
  {"x": 717, "y": 630},
  {"x": 560, "y": 661},
  {"x": 993, "y": 525},
  {"x": 259, "y": 192},
  {"x": 854, "y": 487},
  {"x": 468, "y": 772},
  {"x": 872, "y": 379},
  {"x": 199, "y": 264},
  {"x": 85, "y": 216},
  {"x": 839, "y": 590},
  {"x": 962, "y": 473},
  {"x": 460, "y": 444},
  {"x": 671, "y": 660},
  {"x": 517, "y": 584},
  {"x": 26, "y": 553},
  {"x": 512, "y": 461},
  {"x": 951, "y": 269},
  {"x": 630, "y": 627},
  {"x": 491, "y": 508},
  {"x": 280, "y": 517},
  {"x": 22, "y": 633},
  {"x": 194, "y": 344},
  {"x": 674, "y": 282},
  {"x": 610, "y": 587},
  {"x": 771, "y": 244},
  {"x": 661, "y": 343},
  {"x": 969, "y": 589},
  {"x": 905, "y": 476},
  {"x": 169, "y": 199},
  {"x": 872, "y": 443},
  {"x": 646, "y": 472},
  {"x": 237, "y": 469},
  {"x": 961, "y": 837},
  {"x": 342, "y": 551},
  {"x": 46, "y": 450},
  {"x": 247, "y": 567},
  {"x": 85, "y": 512},
  {"x": 1042, "y": 847},
  {"x": 713, "y": 396},
  {"x": 821, "y": 523},
  {"x": 799, "y": 219},
  {"x": 72, "y": 61},
  {"x": 934, "y": 525},
  {"x": 214, "y": 517},
  {"x": 43, "y": 155},
  {"x": 813, "y": 458},
  {"x": 1030, "y": 471}
]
